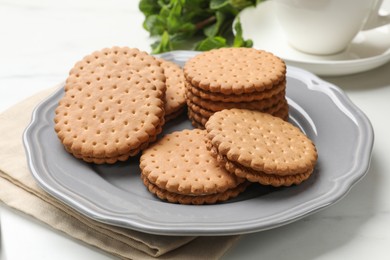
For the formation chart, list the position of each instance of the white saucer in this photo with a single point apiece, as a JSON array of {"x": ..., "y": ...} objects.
[{"x": 369, "y": 49}]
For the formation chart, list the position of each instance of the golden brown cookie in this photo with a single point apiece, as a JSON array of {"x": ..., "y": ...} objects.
[
  {"x": 235, "y": 70},
  {"x": 180, "y": 169},
  {"x": 174, "y": 96},
  {"x": 253, "y": 142},
  {"x": 113, "y": 105}
]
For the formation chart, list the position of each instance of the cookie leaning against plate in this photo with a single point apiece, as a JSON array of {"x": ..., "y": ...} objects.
[
  {"x": 260, "y": 147},
  {"x": 113, "y": 105},
  {"x": 178, "y": 168}
]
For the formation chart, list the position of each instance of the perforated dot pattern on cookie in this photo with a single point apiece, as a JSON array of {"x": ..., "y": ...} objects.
[
  {"x": 180, "y": 163},
  {"x": 175, "y": 84},
  {"x": 114, "y": 64},
  {"x": 261, "y": 142},
  {"x": 235, "y": 70},
  {"x": 113, "y": 104}
]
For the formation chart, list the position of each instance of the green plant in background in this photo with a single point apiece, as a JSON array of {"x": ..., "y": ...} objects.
[{"x": 204, "y": 24}]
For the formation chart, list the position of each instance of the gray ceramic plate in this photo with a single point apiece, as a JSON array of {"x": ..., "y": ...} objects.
[{"x": 114, "y": 194}]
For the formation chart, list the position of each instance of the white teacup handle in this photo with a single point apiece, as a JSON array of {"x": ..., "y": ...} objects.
[{"x": 375, "y": 19}]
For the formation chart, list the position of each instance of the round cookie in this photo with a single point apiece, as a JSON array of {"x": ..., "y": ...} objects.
[
  {"x": 113, "y": 105},
  {"x": 175, "y": 83},
  {"x": 235, "y": 70},
  {"x": 260, "y": 143},
  {"x": 180, "y": 169}
]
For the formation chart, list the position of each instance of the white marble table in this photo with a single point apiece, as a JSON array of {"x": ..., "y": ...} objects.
[{"x": 40, "y": 41}]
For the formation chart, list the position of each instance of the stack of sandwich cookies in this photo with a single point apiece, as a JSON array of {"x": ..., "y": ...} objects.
[
  {"x": 175, "y": 102},
  {"x": 178, "y": 168},
  {"x": 235, "y": 78},
  {"x": 260, "y": 147},
  {"x": 113, "y": 105}
]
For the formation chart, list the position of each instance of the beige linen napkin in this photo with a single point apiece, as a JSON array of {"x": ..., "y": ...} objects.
[{"x": 19, "y": 190}]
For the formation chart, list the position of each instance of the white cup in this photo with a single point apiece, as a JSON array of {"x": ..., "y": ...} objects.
[{"x": 325, "y": 27}]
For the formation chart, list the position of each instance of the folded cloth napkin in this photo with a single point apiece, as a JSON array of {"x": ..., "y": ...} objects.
[{"x": 19, "y": 190}]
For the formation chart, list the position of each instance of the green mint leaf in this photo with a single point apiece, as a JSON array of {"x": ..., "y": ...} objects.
[
  {"x": 223, "y": 6},
  {"x": 214, "y": 29},
  {"x": 164, "y": 12},
  {"x": 238, "y": 38},
  {"x": 162, "y": 3},
  {"x": 154, "y": 24},
  {"x": 241, "y": 4},
  {"x": 211, "y": 43},
  {"x": 177, "y": 24},
  {"x": 174, "y": 18},
  {"x": 218, "y": 4},
  {"x": 148, "y": 7},
  {"x": 163, "y": 45}
]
